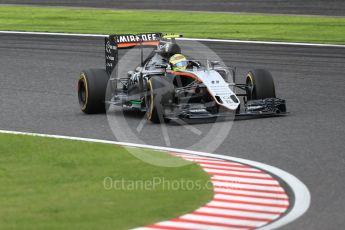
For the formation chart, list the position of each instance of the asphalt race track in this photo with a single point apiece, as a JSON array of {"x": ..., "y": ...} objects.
[
  {"x": 315, "y": 7},
  {"x": 38, "y": 94}
]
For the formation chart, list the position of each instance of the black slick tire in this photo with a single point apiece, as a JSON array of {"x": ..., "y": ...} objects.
[
  {"x": 92, "y": 86},
  {"x": 260, "y": 85}
]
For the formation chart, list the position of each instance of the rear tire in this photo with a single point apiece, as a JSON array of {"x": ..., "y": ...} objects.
[
  {"x": 92, "y": 86},
  {"x": 260, "y": 85}
]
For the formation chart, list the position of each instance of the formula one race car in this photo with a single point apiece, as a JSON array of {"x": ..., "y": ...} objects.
[{"x": 196, "y": 91}]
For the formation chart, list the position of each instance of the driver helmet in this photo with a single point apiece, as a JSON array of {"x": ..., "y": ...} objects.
[{"x": 178, "y": 62}]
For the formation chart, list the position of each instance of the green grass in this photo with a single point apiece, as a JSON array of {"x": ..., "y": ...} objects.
[
  {"x": 53, "y": 184},
  {"x": 197, "y": 25}
]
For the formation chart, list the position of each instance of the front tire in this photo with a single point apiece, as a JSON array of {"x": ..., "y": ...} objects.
[
  {"x": 159, "y": 92},
  {"x": 92, "y": 86},
  {"x": 260, "y": 85}
]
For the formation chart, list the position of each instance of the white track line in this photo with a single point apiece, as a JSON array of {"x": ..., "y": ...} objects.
[
  {"x": 53, "y": 34},
  {"x": 300, "y": 191},
  {"x": 185, "y": 39}
]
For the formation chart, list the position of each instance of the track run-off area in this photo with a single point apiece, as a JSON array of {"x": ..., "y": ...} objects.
[
  {"x": 247, "y": 194},
  {"x": 307, "y": 7},
  {"x": 38, "y": 95}
]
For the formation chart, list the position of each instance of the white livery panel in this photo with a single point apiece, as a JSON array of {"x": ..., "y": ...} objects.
[{"x": 218, "y": 88}]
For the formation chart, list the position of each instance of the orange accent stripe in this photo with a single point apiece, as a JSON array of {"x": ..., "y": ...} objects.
[
  {"x": 130, "y": 44},
  {"x": 185, "y": 75}
]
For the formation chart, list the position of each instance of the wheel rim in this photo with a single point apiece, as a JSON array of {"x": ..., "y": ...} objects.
[
  {"x": 82, "y": 92},
  {"x": 149, "y": 100},
  {"x": 250, "y": 87}
]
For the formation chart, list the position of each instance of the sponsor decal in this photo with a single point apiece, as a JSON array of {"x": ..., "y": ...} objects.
[
  {"x": 254, "y": 107},
  {"x": 198, "y": 110},
  {"x": 137, "y": 38},
  {"x": 109, "y": 47},
  {"x": 161, "y": 47},
  {"x": 226, "y": 97},
  {"x": 110, "y": 58}
]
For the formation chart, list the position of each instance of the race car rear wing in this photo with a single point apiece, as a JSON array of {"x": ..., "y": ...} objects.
[{"x": 126, "y": 41}]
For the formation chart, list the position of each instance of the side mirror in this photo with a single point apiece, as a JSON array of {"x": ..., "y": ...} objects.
[
  {"x": 214, "y": 63},
  {"x": 194, "y": 63},
  {"x": 130, "y": 74},
  {"x": 163, "y": 66}
]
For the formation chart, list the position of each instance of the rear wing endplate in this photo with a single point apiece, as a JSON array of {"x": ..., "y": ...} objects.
[{"x": 126, "y": 41}]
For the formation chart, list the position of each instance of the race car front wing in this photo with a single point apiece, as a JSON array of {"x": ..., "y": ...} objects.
[{"x": 268, "y": 107}]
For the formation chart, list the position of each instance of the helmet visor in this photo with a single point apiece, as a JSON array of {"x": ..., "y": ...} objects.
[{"x": 181, "y": 64}]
